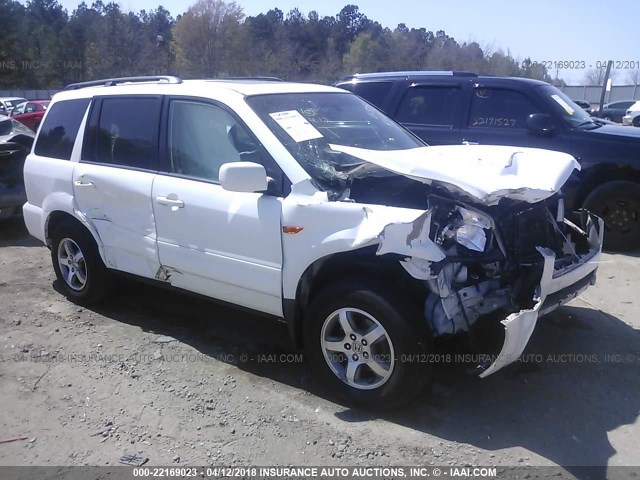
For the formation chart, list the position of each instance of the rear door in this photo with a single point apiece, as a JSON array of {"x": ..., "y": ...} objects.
[
  {"x": 113, "y": 180},
  {"x": 432, "y": 111}
]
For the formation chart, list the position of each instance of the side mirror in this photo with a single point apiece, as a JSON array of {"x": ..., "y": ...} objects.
[
  {"x": 541, "y": 124},
  {"x": 243, "y": 177}
]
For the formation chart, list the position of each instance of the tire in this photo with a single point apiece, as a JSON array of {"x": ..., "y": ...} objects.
[
  {"x": 79, "y": 269},
  {"x": 636, "y": 121},
  {"x": 399, "y": 370},
  {"x": 618, "y": 204}
]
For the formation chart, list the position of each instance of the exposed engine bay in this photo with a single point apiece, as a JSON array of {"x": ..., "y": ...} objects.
[{"x": 487, "y": 265}]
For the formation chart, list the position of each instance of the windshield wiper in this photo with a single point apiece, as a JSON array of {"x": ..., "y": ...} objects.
[{"x": 589, "y": 122}]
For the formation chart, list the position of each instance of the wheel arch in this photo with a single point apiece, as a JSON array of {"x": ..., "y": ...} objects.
[
  {"x": 360, "y": 263},
  {"x": 58, "y": 217},
  {"x": 598, "y": 177}
]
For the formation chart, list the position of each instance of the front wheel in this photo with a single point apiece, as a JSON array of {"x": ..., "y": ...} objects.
[
  {"x": 77, "y": 264},
  {"x": 367, "y": 345},
  {"x": 636, "y": 121},
  {"x": 618, "y": 204}
]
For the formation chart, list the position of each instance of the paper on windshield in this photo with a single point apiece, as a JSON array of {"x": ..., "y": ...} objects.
[
  {"x": 563, "y": 104},
  {"x": 296, "y": 125}
]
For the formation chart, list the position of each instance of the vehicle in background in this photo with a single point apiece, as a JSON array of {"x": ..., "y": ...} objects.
[
  {"x": 614, "y": 111},
  {"x": 448, "y": 108},
  {"x": 9, "y": 103},
  {"x": 632, "y": 115},
  {"x": 586, "y": 106},
  {"x": 15, "y": 144},
  {"x": 30, "y": 113}
]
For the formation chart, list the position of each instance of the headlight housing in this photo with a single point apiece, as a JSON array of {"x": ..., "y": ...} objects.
[{"x": 461, "y": 226}]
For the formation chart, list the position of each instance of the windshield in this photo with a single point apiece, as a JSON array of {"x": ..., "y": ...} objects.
[
  {"x": 14, "y": 102},
  {"x": 566, "y": 107},
  {"x": 307, "y": 123}
]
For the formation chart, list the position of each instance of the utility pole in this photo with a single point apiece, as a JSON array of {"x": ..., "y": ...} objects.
[{"x": 605, "y": 82}]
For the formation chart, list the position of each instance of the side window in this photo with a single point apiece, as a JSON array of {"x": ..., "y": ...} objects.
[
  {"x": 429, "y": 106},
  {"x": 124, "y": 132},
  {"x": 18, "y": 109},
  {"x": 202, "y": 137},
  {"x": 31, "y": 107},
  {"x": 59, "y": 130},
  {"x": 499, "y": 108},
  {"x": 373, "y": 92}
]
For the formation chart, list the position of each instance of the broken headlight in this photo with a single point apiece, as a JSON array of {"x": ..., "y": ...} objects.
[{"x": 462, "y": 226}]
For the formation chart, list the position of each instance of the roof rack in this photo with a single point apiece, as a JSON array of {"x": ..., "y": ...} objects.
[
  {"x": 263, "y": 79},
  {"x": 109, "y": 82},
  {"x": 449, "y": 73}
]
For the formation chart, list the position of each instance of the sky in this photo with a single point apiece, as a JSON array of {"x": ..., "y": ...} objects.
[{"x": 588, "y": 31}]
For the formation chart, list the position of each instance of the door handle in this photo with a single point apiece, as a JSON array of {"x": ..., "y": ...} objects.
[
  {"x": 169, "y": 201},
  {"x": 80, "y": 183}
]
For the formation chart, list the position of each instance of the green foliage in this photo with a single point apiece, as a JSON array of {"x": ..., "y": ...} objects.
[{"x": 42, "y": 46}]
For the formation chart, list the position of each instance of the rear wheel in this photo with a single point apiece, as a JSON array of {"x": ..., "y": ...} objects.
[
  {"x": 79, "y": 269},
  {"x": 636, "y": 121},
  {"x": 367, "y": 345},
  {"x": 618, "y": 204}
]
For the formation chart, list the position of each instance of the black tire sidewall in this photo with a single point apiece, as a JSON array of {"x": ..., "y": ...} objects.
[
  {"x": 596, "y": 200},
  {"x": 97, "y": 284},
  {"x": 400, "y": 319}
]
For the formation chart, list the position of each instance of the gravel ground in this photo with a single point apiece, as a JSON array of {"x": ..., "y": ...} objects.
[{"x": 182, "y": 381}]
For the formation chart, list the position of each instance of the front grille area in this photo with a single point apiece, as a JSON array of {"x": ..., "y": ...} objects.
[{"x": 530, "y": 228}]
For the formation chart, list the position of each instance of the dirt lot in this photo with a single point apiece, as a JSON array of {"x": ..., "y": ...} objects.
[{"x": 184, "y": 381}]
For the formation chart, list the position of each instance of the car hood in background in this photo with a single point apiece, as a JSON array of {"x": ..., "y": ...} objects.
[
  {"x": 10, "y": 129},
  {"x": 617, "y": 131},
  {"x": 486, "y": 173}
]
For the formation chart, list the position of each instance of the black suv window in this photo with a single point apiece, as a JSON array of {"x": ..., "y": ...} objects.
[
  {"x": 499, "y": 108},
  {"x": 433, "y": 105},
  {"x": 59, "y": 130},
  {"x": 373, "y": 92},
  {"x": 124, "y": 132}
]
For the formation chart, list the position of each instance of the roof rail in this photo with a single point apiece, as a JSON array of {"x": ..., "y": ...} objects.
[
  {"x": 450, "y": 73},
  {"x": 109, "y": 82},
  {"x": 264, "y": 79}
]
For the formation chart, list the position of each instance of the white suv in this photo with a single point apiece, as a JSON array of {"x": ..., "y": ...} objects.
[
  {"x": 632, "y": 116},
  {"x": 306, "y": 203}
]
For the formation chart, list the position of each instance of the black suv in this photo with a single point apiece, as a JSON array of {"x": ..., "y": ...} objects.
[{"x": 447, "y": 108}]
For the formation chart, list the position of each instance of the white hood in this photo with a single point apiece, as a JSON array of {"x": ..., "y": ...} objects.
[{"x": 485, "y": 172}]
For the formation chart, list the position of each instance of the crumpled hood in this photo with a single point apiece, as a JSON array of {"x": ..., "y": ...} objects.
[{"x": 486, "y": 172}]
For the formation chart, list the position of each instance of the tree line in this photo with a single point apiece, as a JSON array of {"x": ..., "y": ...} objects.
[{"x": 43, "y": 46}]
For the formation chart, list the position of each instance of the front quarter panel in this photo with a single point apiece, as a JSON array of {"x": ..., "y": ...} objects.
[{"x": 329, "y": 228}]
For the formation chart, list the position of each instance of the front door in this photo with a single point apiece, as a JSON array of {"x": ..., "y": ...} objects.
[
  {"x": 226, "y": 245},
  {"x": 498, "y": 116}
]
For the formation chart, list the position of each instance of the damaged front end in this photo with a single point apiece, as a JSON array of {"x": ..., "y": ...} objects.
[{"x": 520, "y": 266}]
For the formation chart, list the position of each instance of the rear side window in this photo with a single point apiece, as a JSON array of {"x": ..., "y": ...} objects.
[
  {"x": 124, "y": 132},
  {"x": 498, "y": 108},
  {"x": 373, "y": 92},
  {"x": 59, "y": 130},
  {"x": 435, "y": 105}
]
